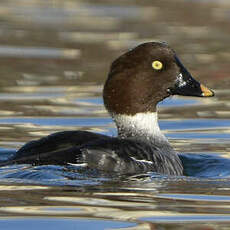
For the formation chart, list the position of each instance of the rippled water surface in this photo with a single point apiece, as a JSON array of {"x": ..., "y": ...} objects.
[{"x": 54, "y": 58}]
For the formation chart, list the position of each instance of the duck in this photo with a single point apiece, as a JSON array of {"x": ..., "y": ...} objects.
[{"x": 137, "y": 81}]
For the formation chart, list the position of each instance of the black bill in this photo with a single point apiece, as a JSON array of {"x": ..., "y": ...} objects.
[{"x": 186, "y": 85}]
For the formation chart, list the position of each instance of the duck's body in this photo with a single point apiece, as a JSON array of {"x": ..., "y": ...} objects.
[
  {"x": 137, "y": 81},
  {"x": 125, "y": 154}
]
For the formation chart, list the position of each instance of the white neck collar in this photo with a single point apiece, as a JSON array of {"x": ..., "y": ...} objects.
[{"x": 142, "y": 125}]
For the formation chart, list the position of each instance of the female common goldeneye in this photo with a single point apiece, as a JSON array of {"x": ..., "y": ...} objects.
[{"x": 138, "y": 80}]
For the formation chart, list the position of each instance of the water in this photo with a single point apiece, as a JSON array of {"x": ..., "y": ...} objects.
[{"x": 54, "y": 58}]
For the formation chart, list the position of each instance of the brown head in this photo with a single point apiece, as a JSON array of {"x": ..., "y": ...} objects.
[{"x": 144, "y": 76}]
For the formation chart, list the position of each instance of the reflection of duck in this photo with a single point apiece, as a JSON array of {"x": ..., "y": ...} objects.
[{"x": 137, "y": 81}]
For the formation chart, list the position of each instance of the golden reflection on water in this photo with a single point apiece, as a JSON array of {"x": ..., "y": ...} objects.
[
  {"x": 123, "y": 210},
  {"x": 21, "y": 187}
]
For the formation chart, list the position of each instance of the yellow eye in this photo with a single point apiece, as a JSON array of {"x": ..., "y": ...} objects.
[{"x": 157, "y": 65}]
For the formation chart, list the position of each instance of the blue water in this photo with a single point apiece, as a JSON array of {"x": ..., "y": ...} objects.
[{"x": 56, "y": 224}]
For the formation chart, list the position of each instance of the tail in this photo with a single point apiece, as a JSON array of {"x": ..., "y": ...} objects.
[{"x": 6, "y": 155}]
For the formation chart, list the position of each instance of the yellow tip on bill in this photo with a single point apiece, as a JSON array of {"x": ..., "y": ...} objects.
[{"x": 206, "y": 92}]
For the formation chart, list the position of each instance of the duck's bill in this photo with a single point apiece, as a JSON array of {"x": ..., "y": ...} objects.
[{"x": 186, "y": 85}]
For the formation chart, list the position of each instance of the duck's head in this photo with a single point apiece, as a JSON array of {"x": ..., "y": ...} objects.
[{"x": 144, "y": 76}]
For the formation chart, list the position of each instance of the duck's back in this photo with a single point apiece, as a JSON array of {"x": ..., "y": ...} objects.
[{"x": 54, "y": 149}]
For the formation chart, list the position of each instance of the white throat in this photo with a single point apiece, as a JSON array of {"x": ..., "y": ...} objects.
[{"x": 140, "y": 125}]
